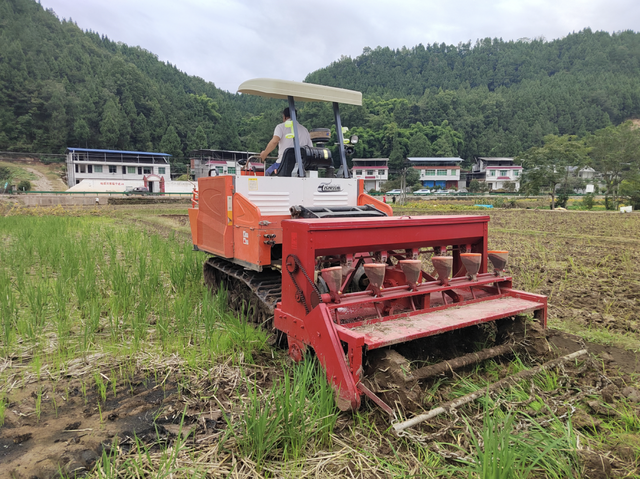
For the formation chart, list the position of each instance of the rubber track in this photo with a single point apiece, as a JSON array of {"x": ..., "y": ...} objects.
[{"x": 251, "y": 294}]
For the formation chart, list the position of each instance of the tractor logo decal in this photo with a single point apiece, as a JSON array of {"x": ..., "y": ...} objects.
[{"x": 328, "y": 188}]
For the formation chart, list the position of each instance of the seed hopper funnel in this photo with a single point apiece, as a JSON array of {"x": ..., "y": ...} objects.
[
  {"x": 498, "y": 260},
  {"x": 333, "y": 278},
  {"x": 471, "y": 262},
  {"x": 375, "y": 273},
  {"x": 444, "y": 267},
  {"x": 411, "y": 269}
]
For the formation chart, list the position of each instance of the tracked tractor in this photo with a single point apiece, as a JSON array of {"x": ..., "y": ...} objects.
[{"x": 329, "y": 267}]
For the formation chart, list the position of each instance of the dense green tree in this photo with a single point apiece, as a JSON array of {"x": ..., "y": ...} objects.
[
  {"x": 616, "y": 156},
  {"x": 81, "y": 132},
  {"x": 109, "y": 126},
  {"x": 554, "y": 165},
  {"x": 141, "y": 134},
  {"x": 199, "y": 140},
  {"x": 171, "y": 143},
  {"x": 419, "y": 146},
  {"x": 630, "y": 189}
]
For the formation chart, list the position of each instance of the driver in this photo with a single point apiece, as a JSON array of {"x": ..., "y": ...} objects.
[{"x": 283, "y": 139}]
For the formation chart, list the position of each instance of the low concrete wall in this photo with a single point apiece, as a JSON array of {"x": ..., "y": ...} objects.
[
  {"x": 64, "y": 200},
  {"x": 147, "y": 200},
  {"x": 90, "y": 200}
]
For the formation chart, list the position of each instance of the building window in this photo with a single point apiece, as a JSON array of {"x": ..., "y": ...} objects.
[
  {"x": 89, "y": 168},
  {"x": 147, "y": 170},
  {"x": 97, "y": 168},
  {"x": 442, "y": 172},
  {"x": 359, "y": 172},
  {"x": 370, "y": 172},
  {"x": 162, "y": 170},
  {"x": 220, "y": 170},
  {"x": 131, "y": 170},
  {"x": 504, "y": 173},
  {"x": 516, "y": 173},
  {"x": 139, "y": 170},
  {"x": 112, "y": 168},
  {"x": 492, "y": 172},
  {"x": 431, "y": 172},
  {"x": 82, "y": 169},
  {"x": 231, "y": 170}
]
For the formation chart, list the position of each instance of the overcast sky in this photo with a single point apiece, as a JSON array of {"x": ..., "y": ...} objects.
[{"x": 230, "y": 41}]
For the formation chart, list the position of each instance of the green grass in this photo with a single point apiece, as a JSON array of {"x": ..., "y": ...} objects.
[
  {"x": 499, "y": 450},
  {"x": 17, "y": 173},
  {"x": 92, "y": 284},
  {"x": 296, "y": 413}
]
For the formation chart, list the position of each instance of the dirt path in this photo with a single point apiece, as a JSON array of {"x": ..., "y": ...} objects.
[{"x": 42, "y": 183}]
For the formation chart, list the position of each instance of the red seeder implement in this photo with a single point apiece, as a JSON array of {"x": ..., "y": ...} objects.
[{"x": 403, "y": 301}]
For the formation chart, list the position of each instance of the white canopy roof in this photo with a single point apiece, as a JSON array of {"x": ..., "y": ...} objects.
[{"x": 282, "y": 89}]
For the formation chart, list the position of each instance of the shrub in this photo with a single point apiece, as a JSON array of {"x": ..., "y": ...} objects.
[
  {"x": 5, "y": 173},
  {"x": 24, "y": 185},
  {"x": 588, "y": 200}
]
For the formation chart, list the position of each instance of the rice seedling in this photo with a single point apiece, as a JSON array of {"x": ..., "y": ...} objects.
[
  {"x": 83, "y": 387},
  {"x": 114, "y": 384},
  {"x": 499, "y": 451},
  {"x": 3, "y": 409},
  {"x": 295, "y": 413},
  {"x": 260, "y": 431},
  {"x": 38, "y": 410},
  {"x": 547, "y": 380},
  {"x": 101, "y": 387}
]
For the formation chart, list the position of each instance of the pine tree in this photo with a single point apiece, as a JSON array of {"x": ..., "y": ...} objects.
[
  {"x": 170, "y": 143},
  {"x": 109, "y": 132},
  {"x": 199, "y": 140}
]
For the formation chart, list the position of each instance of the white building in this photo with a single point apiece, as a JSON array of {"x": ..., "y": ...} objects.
[
  {"x": 496, "y": 172},
  {"x": 118, "y": 169},
  {"x": 116, "y": 186},
  {"x": 219, "y": 162},
  {"x": 441, "y": 173},
  {"x": 589, "y": 176},
  {"x": 374, "y": 172}
]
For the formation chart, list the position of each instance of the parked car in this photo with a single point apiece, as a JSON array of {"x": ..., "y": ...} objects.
[
  {"x": 394, "y": 192},
  {"x": 138, "y": 190},
  {"x": 422, "y": 192}
]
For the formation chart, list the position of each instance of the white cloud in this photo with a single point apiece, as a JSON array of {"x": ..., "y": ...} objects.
[{"x": 229, "y": 41}]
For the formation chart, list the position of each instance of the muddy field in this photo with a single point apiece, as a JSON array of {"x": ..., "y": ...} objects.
[{"x": 154, "y": 388}]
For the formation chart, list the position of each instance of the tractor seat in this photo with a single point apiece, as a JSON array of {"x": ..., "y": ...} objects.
[{"x": 312, "y": 159}]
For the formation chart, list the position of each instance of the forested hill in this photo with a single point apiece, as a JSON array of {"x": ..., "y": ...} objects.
[
  {"x": 60, "y": 86},
  {"x": 503, "y": 97},
  {"x": 488, "y": 64}
]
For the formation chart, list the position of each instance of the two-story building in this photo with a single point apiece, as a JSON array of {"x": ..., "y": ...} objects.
[
  {"x": 374, "y": 172},
  {"x": 441, "y": 173},
  {"x": 497, "y": 172},
  {"x": 115, "y": 170},
  {"x": 218, "y": 162}
]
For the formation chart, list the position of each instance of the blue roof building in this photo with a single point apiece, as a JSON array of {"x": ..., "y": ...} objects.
[{"x": 118, "y": 169}]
